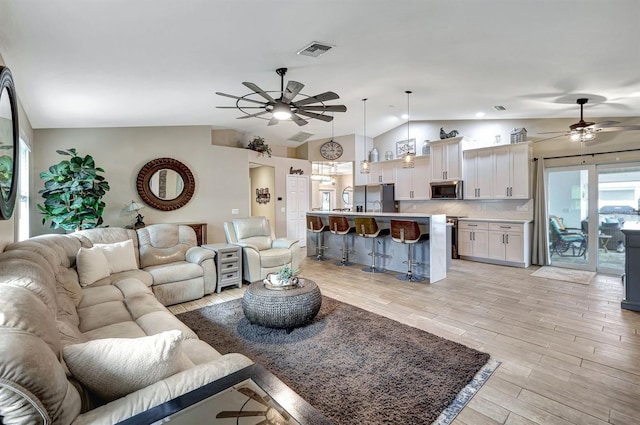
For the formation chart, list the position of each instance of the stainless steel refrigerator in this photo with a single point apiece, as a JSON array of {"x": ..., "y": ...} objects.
[{"x": 367, "y": 197}]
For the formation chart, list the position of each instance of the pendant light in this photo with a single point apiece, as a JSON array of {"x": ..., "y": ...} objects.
[
  {"x": 408, "y": 159},
  {"x": 365, "y": 166}
]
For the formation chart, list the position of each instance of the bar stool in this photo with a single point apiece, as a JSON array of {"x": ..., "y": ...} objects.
[
  {"x": 315, "y": 225},
  {"x": 367, "y": 227},
  {"x": 339, "y": 225},
  {"x": 408, "y": 232}
]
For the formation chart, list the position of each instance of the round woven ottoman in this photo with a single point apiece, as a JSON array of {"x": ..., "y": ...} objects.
[{"x": 284, "y": 309}]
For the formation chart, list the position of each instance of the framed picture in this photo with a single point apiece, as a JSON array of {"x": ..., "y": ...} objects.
[{"x": 405, "y": 146}]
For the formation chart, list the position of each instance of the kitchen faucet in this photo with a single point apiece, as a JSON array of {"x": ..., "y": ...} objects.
[{"x": 379, "y": 206}]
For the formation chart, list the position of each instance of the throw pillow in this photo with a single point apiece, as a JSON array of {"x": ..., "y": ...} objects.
[
  {"x": 115, "y": 367},
  {"x": 120, "y": 255},
  {"x": 92, "y": 265}
]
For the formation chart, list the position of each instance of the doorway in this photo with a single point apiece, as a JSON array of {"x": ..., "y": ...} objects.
[{"x": 587, "y": 207}]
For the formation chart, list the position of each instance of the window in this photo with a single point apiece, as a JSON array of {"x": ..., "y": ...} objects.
[{"x": 22, "y": 213}]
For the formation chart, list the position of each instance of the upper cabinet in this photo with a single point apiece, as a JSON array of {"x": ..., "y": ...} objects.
[
  {"x": 512, "y": 165},
  {"x": 382, "y": 172},
  {"x": 412, "y": 184},
  {"x": 477, "y": 172},
  {"x": 499, "y": 172},
  {"x": 446, "y": 158}
]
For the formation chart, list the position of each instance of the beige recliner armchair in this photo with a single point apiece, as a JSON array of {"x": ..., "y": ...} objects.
[
  {"x": 181, "y": 270},
  {"x": 262, "y": 252}
]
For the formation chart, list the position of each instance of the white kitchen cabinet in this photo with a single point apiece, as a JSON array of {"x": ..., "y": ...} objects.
[
  {"x": 473, "y": 239},
  {"x": 412, "y": 184},
  {"x": 508, "y": 243},
  {"x": 512, "y": 165},
  {"x": 477, "y": 173},
  {"x": 446, "y": 158},
  {"x": 382, "y": 172}
]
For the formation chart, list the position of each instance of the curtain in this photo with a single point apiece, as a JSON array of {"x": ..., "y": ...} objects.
[{"x": 540, "y": 248}]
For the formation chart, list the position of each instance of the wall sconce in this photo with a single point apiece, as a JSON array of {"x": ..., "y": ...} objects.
[{"x": 263, "y": 196}]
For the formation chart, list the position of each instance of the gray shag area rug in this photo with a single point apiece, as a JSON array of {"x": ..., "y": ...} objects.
[{"x": 354, "y": 366}]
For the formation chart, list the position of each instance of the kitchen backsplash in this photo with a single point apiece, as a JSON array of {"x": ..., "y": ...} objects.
[{"x": 507, "y": 209}]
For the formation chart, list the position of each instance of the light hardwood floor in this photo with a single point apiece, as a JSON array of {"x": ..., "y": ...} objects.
[{"x": 569, "y": 353}]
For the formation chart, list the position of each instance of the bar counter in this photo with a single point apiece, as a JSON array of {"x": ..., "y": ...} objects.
[{"x": 433, "y": 253}]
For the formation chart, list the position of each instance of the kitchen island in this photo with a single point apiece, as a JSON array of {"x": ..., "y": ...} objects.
[{"x": 433, "y": 253}]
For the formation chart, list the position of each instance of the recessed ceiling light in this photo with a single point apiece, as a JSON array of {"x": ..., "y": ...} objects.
[
  {"x": 404, "y": 116},
  {"x": 480, "y": 114},
  {"x": 499, "y": 108}
]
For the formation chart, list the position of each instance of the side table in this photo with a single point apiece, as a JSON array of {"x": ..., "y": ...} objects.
[{"x": 228, "y": 264}]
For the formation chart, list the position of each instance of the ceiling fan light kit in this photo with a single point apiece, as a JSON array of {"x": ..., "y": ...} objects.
[{"x": 283, "y": 106}]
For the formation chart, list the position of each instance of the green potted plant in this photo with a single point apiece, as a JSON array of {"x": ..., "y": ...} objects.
[
  {"x": 73, "y": 192},
  {"x": 288, "y": 276},
  {"x": 258, "y": 145}
]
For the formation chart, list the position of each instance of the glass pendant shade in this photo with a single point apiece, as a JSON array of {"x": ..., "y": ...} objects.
[{"x": 365, "y": 166}]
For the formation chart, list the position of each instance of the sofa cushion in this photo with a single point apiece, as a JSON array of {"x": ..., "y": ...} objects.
[
  {"x": 92, "y": 265},
  {"x": 174, "y": 272},
  {"x": 116, "y": 330},
  {"x": 120, "y": 256},
  {"x": 33, "y": 384},
  {"x": 275, "y": 257},
  {"x": 115, "y": 367},
  {"x": 99, "y": 315},
  {"x": 99, "y": 295},
  {"x": 164, "y": 243},
  {"x": 113, "y": 279}
]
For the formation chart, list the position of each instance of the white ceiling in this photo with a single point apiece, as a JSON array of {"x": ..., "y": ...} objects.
[{"x": 158, "y": 63}]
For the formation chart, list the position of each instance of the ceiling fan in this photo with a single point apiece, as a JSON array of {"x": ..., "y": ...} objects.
[
  {"x": 284, "y": 106},
  {"x": 585, "y": 131}
]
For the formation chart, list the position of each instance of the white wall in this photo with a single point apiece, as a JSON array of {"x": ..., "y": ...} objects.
[{"x": 221, "y": 173}]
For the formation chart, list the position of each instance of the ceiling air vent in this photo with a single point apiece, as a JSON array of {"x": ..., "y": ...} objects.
[
  {"x": 300, "y": 137},
  {"x": 499, "y": 108},
  {"x": 315, "y": 49}
]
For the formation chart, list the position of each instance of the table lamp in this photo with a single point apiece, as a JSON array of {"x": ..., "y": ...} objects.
[{"x": 135, "y": 207}]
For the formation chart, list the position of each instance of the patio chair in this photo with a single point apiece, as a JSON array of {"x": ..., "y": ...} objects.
[{"x": 566, "y": 241}]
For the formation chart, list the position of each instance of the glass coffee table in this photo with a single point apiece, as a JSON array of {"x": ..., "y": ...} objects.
[{"x": 250, "y": 396}]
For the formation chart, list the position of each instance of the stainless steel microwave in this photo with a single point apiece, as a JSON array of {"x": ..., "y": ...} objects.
[{"x": 446, "y": 190}]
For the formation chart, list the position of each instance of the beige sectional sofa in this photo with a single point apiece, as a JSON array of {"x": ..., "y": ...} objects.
[{"x": 106, "y": 351}]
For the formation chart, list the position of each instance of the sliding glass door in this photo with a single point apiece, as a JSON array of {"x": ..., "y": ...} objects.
[
  {"x": 587, "y": 208},
  {"x": 568, "y": 211}
]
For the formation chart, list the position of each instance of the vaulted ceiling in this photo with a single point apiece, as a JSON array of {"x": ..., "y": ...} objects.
[{"x": 159, "y": 63}]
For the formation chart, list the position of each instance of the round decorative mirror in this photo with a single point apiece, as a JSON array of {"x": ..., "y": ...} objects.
[
  {"x": 9, "y": 137},
  {"x": 347, "y": 194},
  {"x": 165, "y": 184}
]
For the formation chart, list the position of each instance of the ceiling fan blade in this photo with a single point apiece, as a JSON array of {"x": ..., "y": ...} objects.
[
  {"x": 257, "y": 114},
  {"x": 328, "y": 108},
  {"x": 326, "y": 118},
  {"x": 549, "y": 138},
  {"x": 239, "y": 414},
  {"x": 604, "y": 124},
  {"x": 299, "y": 120},
  {"x": 241, "y": 98},
  {"x": 273, "y": 121},
  {"x": 620, "y": 128},
  {"x": 244, "y": 107},
  {"x": 291, "y": 91},
  {"x": 252, "y": 395},
  {"x": 322, "y": 97},
  {"x": 261, "y": 92},
  {"x": 553, "y": 132}
]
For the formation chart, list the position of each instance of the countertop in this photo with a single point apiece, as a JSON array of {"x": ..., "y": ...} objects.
[
  {"x": 496, "y": 220},
  {"x": 370, "y": 214}
]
